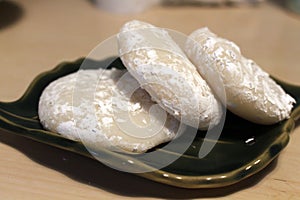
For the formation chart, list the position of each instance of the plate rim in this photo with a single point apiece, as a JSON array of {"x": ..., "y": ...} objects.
[{"x": 183, "y": 181}]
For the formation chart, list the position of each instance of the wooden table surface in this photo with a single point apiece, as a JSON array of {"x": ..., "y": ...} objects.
[{"x": 37, "y": 35}]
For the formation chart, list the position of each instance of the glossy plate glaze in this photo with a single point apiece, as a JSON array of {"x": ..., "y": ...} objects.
[{"x": 242, "y": 150}]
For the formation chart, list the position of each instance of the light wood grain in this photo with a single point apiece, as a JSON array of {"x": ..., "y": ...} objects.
[{"x": 49, "y": 32}]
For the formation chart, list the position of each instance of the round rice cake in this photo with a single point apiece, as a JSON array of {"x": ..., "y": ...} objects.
[
  {"x": 102, "y": 111},
  {"x": 251, "y": 93},
  {"x": 163, "y": 70}
]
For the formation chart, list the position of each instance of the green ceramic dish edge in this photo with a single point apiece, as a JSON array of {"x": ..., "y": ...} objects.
[{"x": 20, "y": 117}]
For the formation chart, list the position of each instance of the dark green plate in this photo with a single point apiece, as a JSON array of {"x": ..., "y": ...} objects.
[{"x": 242, "y": 150}]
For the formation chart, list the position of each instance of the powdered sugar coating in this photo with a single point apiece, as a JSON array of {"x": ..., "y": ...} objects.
[
  {"x": 160, "y": 66},
  {"x": 250, "y": 92},
  {"x": 80, "y": 106}
]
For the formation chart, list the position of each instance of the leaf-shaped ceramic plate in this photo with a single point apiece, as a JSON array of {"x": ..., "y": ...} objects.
[{"x": 242, "y": 150}]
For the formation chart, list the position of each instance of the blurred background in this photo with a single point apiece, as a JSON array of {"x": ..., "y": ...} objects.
[{"x": 37, "y": 35}]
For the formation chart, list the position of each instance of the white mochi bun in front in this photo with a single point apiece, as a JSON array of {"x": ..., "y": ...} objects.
[{"x": 90, "y": 106}]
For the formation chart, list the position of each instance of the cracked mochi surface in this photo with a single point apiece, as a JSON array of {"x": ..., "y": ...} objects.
[
  {"x": 250, "y": 92},
  {"x": 163, "y": 70},
  {"x": 90, "y": 106}
]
